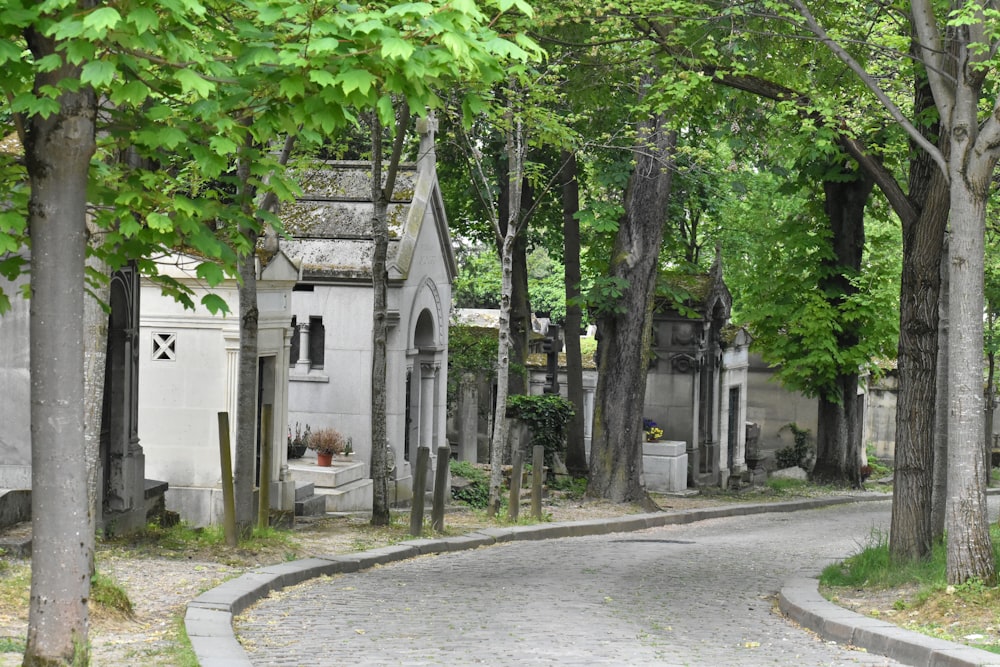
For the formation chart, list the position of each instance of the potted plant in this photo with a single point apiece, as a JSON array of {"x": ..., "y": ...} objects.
[
  {"x": 299, "y": 442},
  {"x": 653, "y": 432},
  {"x": 326, "y": 442},
  {"x": 348, "y": 447}
]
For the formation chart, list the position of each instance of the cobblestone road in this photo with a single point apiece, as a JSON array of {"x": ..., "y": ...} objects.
[{"x": 699, "y": 595}]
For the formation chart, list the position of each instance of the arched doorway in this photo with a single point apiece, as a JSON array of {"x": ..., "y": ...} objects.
[{"x": 122, "y": 464}]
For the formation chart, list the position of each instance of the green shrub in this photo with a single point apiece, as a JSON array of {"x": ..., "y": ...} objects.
[
  {"x": 477, "y": 493},
  {"x": 796, "y": 453},
  {"x": 547, "y": 416}
]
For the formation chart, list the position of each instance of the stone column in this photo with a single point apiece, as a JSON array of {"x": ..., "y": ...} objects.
[
  {"x": 303, "y": 363},
  {"x": 232, "y": 380},
  {"x": 428, "y": 381}
]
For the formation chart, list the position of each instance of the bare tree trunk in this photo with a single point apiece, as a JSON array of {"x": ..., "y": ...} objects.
[
  {"x": 520, "y": 305},
  {"x": 916, "y": 493},
  {"x": 576, "y": 453},
  {"x": 616, "y": 446},
  {"x": 498, "y": 445},
  {"x": 939, "y": 478},
  {"x": 245, "y": 465},
  {"x": 95, "y": 327},
  {"x": 58, "y": 152},
  {"x": 970, "y": 553},
  {"x": 381, "y": 196},
  {"x": 990, "y": 397}
]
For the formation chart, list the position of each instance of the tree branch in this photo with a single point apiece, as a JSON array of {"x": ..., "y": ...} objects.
[
  {"x": 878, "y": 172},
  {"x": 873, "y": 86},
  {"x": 931, "y": 52}
]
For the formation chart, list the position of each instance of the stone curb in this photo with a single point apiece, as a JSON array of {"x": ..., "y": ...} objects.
[
  {"x": 209, "y": 617},
  {"x": 800, "y": 600}
]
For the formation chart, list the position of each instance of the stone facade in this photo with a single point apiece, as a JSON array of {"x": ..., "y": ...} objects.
[
  {"x": 188, "y": 374},
  {"x": 330, "y": 370}
]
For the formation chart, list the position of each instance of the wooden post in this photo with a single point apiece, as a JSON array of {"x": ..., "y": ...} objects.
[
  {"x": 440, "y": 488},
  {"x": 537, "y": 475},
  {"x": 228, "y": 498},
  {"x": 264, "y": 494},
  {"x": 419, "y": 488},
  {"x": 514, "y": 503}
]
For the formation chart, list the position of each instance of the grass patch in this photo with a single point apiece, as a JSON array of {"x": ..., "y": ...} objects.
[
  {"x": 573, "y": 488},
  {"x": 12, "y": 645},
  {"x": 15, "y": 586},
  {"x": 787, "y": 486},
  {"x": 916, "y": 595},
  {"x": 184, "y": 541},
  {"x": 871, "y": 566},
  {"x": 108, "y": 594}
]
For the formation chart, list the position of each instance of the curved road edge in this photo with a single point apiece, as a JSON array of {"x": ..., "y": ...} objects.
[
  {"x": 208, "y": 619},
  {"x": 801, "y": 601}
]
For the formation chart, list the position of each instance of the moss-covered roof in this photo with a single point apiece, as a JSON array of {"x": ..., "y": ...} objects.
[{"x": 331, "y": 222}]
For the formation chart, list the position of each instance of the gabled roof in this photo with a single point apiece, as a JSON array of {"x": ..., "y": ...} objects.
[{"x": 331, "y": 222}]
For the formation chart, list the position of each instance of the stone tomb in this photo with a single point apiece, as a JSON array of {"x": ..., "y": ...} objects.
[{"x": 665, "y": 466}]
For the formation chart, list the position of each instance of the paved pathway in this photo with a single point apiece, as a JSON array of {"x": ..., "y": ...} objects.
[{"x": 699, "y": 594}]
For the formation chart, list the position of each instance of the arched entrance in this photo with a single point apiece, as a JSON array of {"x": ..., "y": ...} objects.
[{"x": 122, "y": 463}]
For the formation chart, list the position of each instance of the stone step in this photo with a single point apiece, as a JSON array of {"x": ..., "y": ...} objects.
[
  {"x": 355, "y": 496},
  {"x": 304, "y": 490},
  {"x": 330, "y": 477},
  {"x": 314, "y": 505}
]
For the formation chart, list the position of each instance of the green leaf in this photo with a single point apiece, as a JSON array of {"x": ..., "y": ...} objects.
[
  {"x": 394, "y": 47},
  {"x": 9, "y": 52},
  {"x": 323, "y": 78},
  {"x": 292, "y": 86},
  {"x": 357, "y": 79},
  {"x": 211, "y": 273},
  {"x": 144, "y": 19},
  {"x": 159, "y": 222},
  {"x": 215, "y": 304},
  {"x": 133, "y": 92},
  {"x": 102, "y": 19},
  {"x": 223, "y": 145},
  {"x": 79, "y": 51},
  {"x": 97, "y": 73},
  {"x": 191, "y": 81}
]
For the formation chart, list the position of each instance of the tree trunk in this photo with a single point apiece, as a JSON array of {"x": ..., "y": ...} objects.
[
  {"x": 246, "y": 389},
  {"x": 990, "y": 392},
  {"x": 913, "y": 497},
  {"x": 576, "y": 454},
  {"x": 838, "y": 436},
  {"x": 970, "y": 554},
  {"x": 58, "y": 150},
  {"x": 381, "y": 196},
  {"x": 616, "y": 445},
  {"x": 498, "y": 444},
  {"x": 520, "y": 304},
  {"x": 939, "y": 474},
  {"x": 95, "y": 327},
  {"x": 515, "y": 176}
]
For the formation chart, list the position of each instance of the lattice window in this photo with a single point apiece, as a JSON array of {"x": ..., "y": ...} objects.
[{"x": 164, "y": 346}]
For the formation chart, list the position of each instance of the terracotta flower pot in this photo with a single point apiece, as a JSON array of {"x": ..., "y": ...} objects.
[{"x": 324, "y": 459}]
